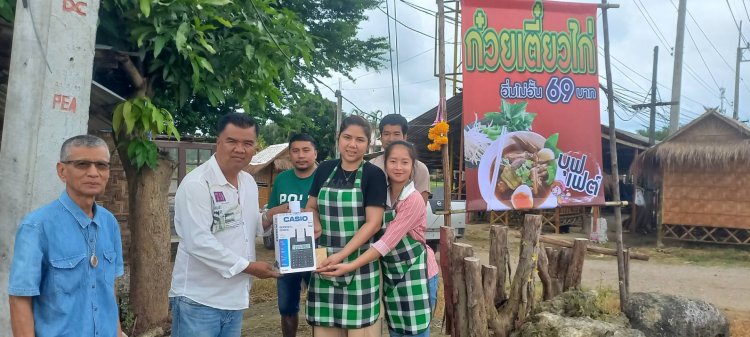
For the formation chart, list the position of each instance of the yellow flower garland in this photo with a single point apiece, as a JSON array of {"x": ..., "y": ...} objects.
[{"x": 438, "y": 134}]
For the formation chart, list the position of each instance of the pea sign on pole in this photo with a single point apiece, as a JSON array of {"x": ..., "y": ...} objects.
[{"x": 531, "y": 105}]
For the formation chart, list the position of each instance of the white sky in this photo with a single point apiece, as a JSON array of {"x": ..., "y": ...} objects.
[{"x": 632, "y": 43}]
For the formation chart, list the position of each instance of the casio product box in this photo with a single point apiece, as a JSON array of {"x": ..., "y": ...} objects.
[{"x": 295, "y": 240}]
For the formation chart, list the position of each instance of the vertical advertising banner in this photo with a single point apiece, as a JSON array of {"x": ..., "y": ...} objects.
[{"x": 532, "y": 137}]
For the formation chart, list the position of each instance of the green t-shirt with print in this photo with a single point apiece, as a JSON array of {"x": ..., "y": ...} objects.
[{"x": 288, "y": 187}]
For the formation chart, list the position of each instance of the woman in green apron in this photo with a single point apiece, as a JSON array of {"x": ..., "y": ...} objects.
[
  {"x": 410, "y": 270},
  {"x": 347, "y": 198}
]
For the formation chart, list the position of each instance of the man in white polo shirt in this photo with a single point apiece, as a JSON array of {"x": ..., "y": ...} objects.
[
  {"x": 393, "y": 127},
  {"x": 217, "y": 219}
]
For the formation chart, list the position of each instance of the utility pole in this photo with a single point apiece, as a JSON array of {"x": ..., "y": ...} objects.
[
  {"x": 447, "y": 174},
  {"x": 613, "y": 156},
  {"x": 49, "y": 88},
  {"x": 652, "y": 120},
  {"x": 674, "y": 112},
  {"x": 654, "y": 103},
  {"x": 736, "y": 104},
  {"x": 339, "y": 117}
]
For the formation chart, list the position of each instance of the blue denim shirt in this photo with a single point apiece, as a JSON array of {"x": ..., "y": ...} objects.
[{"x": 51, "y": 264}]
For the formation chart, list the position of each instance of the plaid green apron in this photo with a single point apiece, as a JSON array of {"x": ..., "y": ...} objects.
[
  {"x": 405, "y": 294},
  {"x": 351, "y": 301}
]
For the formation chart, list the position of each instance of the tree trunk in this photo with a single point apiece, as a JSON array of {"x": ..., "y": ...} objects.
[
  {"x": 575, "y": 268},
  {"x": 553, "y": 257},
  {"x": 150, "y": 270},
  {"x": 477, "y": 316},
  {"x": 459, "y": 251},
  {"x": 563, "y": 264},
  {"x": 499, "y": 257},
  {"x": 515, "y": 311},
  {"x": 489, "y": 284},
  {"x": 548, "y": 289},
  {"x": 447, "y": 237}
]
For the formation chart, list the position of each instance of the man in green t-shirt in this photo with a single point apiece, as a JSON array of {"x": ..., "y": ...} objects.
[{"x": 292, "y": 185}]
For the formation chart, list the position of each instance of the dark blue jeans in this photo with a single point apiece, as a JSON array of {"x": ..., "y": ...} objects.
[{"x": 289, "y": 287}]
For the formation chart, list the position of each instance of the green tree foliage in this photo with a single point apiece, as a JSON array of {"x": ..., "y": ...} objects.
[
  {"x": 207, "y": 49},
  {"x": 660, "y": 134},
  {"x": 333, "y": 26},
  {"x": 312, "y": 114},
  {"x": 138, "y": 119},
  {"x": 203, "y": 58},
  {"x": 7, "y": 9}
]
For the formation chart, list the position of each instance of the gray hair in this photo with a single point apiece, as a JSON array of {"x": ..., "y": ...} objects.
[{"x": 81, "y": 141}]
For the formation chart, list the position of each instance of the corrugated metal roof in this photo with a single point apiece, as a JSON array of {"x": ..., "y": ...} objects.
[{"x": 268, "y": 154}]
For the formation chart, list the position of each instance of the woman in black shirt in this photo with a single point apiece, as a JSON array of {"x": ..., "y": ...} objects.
[{"x": 347, "y": 198}]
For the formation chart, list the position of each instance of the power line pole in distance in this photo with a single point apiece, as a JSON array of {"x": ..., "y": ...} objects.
[
  {"x": 736, "y": 104},
  {"x": 654, "y": 103}
]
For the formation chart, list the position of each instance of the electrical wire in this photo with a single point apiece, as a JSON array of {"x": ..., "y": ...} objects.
[
  {"x": 710, "y": 42},
  {"x": 731, "y": 12},
  {"x": 276, "y": 43},
  {"x": 404, "y": 25},
  {"x": 387, "y": 87},
  {"x": 654, "y": 28},
  {"x": 398, "y": 72},
  {"x": 390, "y": 53},
  {"x": 710, "y": 73},
  {"x": 428, "y": 11},
  {"x": 402, "y": 62}
]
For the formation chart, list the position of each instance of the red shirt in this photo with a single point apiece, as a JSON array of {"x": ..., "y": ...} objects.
[{"x": 411, "y": 219}]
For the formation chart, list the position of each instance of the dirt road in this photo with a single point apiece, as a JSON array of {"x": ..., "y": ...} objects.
[{"x": 727, "y": 287}]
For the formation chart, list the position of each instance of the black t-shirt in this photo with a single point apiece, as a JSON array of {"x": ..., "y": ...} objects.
[{"x": 374, "y": 186}]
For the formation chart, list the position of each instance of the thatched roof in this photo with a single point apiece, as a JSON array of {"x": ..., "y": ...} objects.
[
  {"x": 277, "y": 154},
  {"x": 711, "y": 141}
]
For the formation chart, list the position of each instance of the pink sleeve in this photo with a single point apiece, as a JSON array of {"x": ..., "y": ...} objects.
[{"x": 407, "y": 213}]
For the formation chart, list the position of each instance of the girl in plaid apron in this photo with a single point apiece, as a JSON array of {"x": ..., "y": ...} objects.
[
  {"x": 347, "y": 305},
  {"x": 407, "y": 293}
]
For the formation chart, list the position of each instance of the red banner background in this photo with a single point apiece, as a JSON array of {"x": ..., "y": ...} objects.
[{"x": 509, "y": 24}]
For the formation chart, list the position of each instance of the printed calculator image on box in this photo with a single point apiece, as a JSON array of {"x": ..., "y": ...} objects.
[
  {"x": 295, "y": 242},
  {"x": 302, "y": 253}
]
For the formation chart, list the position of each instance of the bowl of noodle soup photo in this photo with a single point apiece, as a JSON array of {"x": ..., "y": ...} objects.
[{"x": 518, "y": 170}]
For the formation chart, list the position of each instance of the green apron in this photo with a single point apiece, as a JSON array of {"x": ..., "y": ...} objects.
[
  {"x": 351, "y": 301},
  {"x": 405, "y": 293}
]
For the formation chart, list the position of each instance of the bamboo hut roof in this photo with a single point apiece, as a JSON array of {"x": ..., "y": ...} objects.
[
  {"x": 711, "y": 141},
  {"x": 277, "y": 154}
]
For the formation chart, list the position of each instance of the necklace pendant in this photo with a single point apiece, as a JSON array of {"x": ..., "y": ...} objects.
[{"x": 94, "y": 261}]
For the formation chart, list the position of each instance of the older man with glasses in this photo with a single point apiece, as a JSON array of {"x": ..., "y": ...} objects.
[{"x": 68, "y": 253}]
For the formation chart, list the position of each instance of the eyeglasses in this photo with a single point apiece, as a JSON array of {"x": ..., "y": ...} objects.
[{"x": 85, "y": 164}]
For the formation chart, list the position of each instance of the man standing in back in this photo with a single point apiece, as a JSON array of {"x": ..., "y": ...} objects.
[
  {"x": 292, "y": 185},
  {"x": 393, "y": 127},
  {"x": 68, "y": 253},
  {"x": 217, "y": 217}
]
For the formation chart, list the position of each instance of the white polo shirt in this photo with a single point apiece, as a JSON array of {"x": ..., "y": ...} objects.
[{"x": 217, "y": 224}]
